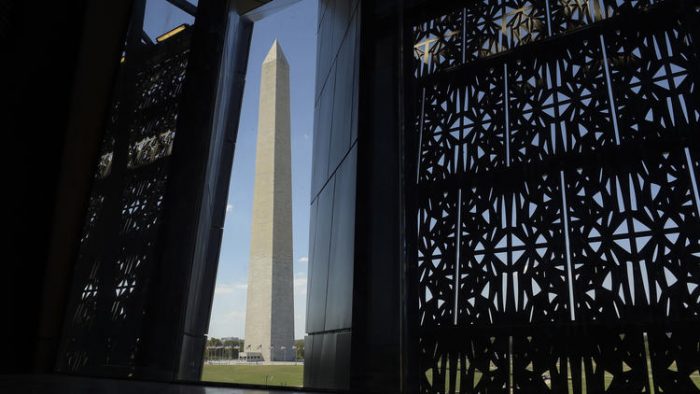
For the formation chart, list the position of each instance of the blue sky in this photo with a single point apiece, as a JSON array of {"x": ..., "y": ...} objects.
[{"x": 295, "y": 28}]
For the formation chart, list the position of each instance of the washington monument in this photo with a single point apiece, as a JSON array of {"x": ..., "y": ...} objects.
[{"x": 269, "y": 325}]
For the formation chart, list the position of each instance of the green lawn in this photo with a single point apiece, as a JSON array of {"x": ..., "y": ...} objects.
[
  {"x": 293, "y": 375},
  {"x": 273, "y": 375}
]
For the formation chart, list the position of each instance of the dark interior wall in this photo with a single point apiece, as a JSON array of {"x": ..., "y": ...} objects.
[
  {"x": 41, "y": 46},
  {"x": 104, "y": 29},
  {"x": 378, "y": 311},
  {"x": 329, "y": 321},
  {"x": 58, "y": 76}
]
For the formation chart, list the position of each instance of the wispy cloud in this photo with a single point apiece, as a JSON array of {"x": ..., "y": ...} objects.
[
  {"x": 300, "y": 284},
  {"x": 229, "y": 208},
  {"x": 235, "y": 314},
  {"x": 228, "y": 312},
  {"x": 303, "y": 260},
  {"x": 230, "y": 288}
]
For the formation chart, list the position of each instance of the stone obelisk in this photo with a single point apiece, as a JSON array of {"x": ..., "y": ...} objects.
[{"x": 269, "y": 325}]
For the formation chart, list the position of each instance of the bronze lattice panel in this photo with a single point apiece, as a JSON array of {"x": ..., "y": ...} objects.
[
  {"x": 119, "y": 244},
  {"x": 556, "y": 196}
]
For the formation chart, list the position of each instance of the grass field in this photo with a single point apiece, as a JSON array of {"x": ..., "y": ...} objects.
[
  {"x": 273, "y": 375},
  {"x": 293, "y": 375}
]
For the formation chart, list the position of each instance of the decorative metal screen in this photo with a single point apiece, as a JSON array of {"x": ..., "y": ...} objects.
[
  {"x": 557, "y": 204},
  {"x": 119, "y": 251}
]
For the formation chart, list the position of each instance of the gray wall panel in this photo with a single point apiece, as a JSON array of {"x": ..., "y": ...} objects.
[
  {"x": 323, "y": 119},
  {"x": 310, "y": 265},
  {"x": 327, "y": 371},
  {"x": 342, "y": 102},
  {"x": 308, "y": 350},
  {"x": 316, "y": 313},
  {"x": 340, "y": 274},
  {"x": 342, "y": 358},
  {"x": 331, "y": 260}
]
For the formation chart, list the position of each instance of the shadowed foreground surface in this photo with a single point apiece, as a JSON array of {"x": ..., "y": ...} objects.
[
  {"x": 695, "y": 378},
  {"x": 271, "y": 375},
  {"x": 58, "y": 384}
]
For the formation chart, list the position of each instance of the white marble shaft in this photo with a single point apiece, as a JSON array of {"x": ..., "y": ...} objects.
[{"x": 269, "y": 325}]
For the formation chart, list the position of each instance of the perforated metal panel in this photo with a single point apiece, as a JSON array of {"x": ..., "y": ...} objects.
[
  {"x": 119, "y": 249},
  {"x": 557, "y": 208}
]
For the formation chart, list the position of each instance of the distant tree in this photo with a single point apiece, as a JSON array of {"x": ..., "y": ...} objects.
[
  {"x": 233, "y": 347},
  {"x": 299, "y": 343},
  {"x": 211, "y": 342}
]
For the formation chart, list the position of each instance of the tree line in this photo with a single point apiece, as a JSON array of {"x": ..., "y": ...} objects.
[{"x": 229, "y": 348}]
